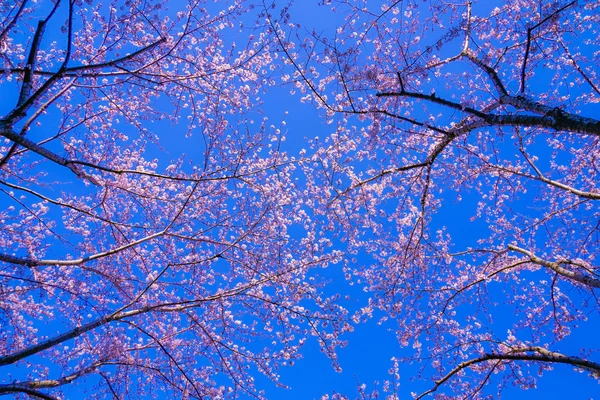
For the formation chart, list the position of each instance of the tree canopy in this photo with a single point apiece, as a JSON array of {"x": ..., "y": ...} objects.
[{"x": 166, "y": 230}]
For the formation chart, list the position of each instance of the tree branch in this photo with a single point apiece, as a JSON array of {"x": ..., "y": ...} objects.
[
  {"x": 52, "y": 383},
  {"x": 121, "y": 314},
  {"x": 13, "y": 21},
  {"x": 434, "y": 99},
  {"x": 10, "y": 134},
  {"x": 548, "y": 117},
  {"x": 540, "y": 354},
  {"x": 27, "y": 84},
  {"x": 21, "y": 110},
  {"x": 31, "y": 119},
  {"x": 556, "y": 266},
  {"x": 35, "y": 263},
  {"x": 540, "y": 177},
  {"x": 528, "y": 45},
  {"x": 16, "y": 388}
]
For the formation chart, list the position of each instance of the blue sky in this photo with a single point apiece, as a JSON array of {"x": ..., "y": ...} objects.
[{"x": 367, "y": 357}]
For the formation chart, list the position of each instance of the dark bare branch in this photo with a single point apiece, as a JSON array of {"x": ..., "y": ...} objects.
[
  {"x": 533, "y": 353},
  {"x": 528, "y": 44},
  {"x": 15, "y": 388},
  {"x": 27, "y": 84}
]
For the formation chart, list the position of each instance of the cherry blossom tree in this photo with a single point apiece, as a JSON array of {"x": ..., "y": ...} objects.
[
  {"x": 463, "y": 159},
  {"x": 128, "y": 268},
  {"x": 156, "y": 239}
]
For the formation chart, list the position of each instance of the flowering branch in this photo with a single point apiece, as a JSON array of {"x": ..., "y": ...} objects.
[
  {"x": 533, "y": 353},
  {"x": 557, "y": 266}
]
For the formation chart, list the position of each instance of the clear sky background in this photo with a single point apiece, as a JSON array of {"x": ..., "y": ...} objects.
[{"x": 367, "y": 357}]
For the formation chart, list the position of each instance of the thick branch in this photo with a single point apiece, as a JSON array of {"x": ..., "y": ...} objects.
[
  {"x": 42, "y": 109},
  {"x": 558, "y": 121},
  {"x": 122, "y": 314},
  {"x": 16, "y": 388},
  {"x": 51, "y": 383},
  {"x": 34, "y": 263},
  {"x": 434, "y": 99},
  {"x": 10, "y": 134},
  {"x": 533, "y": 353},
  {"x": 31, "y": 59},
  {"x": 46, "y": 344},
  {"x": 20, "y": 111},
  {"x": 557, "y": 266},
  {"x": 551, "y": 118},
  {"x": 69, "y": 37}
]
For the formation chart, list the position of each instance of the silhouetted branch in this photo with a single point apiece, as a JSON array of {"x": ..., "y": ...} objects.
[
  {"x": 15, "y": 388},
  {"x": 528, "y": 44},
  {"x": 533, "y": 353},
  {"x": 31, "y": 59},
  {"x": 548, "y": 117}
]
